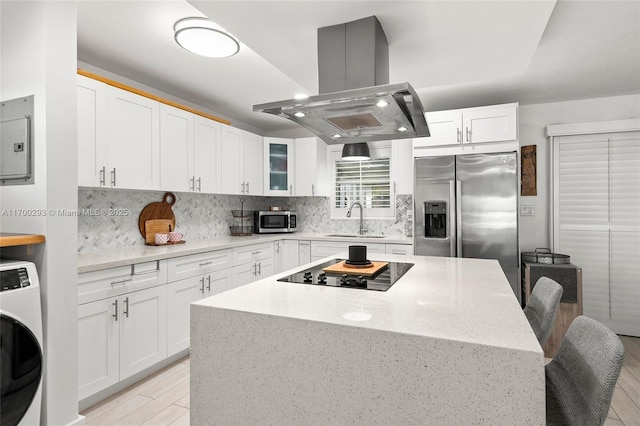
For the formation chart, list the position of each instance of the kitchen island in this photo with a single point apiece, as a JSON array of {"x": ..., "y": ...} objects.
[{"x": 447, "y": 344}]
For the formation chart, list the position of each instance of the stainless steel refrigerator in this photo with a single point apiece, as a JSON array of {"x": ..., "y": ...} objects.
[{"x": 467, "y": 206}]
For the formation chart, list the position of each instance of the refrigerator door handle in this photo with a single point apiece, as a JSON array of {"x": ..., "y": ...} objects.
[
  {"x": 459, "y": 217},
  {"x": 453, "y": 219}
]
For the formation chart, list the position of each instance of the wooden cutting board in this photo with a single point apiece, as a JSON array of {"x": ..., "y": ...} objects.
[
  {"x": 158, "y": 210},
  {"x": 157, "y": 226},
  {"x": 341, "y": 268}
]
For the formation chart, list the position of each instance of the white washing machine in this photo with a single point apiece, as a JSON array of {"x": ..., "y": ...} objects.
[{"x": 22, "y": 361}]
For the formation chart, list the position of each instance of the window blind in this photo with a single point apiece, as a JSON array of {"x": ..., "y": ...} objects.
[
  {"x": 597, "y": 222},
  {"x": 367, "y": 181}
]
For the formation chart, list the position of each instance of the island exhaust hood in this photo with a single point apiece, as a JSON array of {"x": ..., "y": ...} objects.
[{"x": 356, "y": 104}]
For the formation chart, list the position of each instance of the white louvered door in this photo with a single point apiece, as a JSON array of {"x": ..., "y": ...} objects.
[{"x": 597, "y": 222}]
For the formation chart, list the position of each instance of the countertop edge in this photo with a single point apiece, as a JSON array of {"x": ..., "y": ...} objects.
[
  {"x": 9, "y": 239},
  {"x": 97, "y": 260}
]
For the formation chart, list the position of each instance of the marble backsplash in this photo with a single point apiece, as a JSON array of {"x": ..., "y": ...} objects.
[{"x": 205, "y": 216}]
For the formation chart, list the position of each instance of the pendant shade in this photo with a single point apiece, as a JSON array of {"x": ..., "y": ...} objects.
[{"x": 356, "y": 151}]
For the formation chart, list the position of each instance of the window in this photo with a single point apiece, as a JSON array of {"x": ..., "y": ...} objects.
[
  {"x": 596, "y": 199},
  {"x": 367, "y": 182}
]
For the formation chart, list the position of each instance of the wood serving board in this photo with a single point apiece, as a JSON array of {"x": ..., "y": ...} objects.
[
  {"x": 158, "y": 210},
  {"x": 168, "y": 243},
  {"x": 157, "y": 226},
  {"x": 341, "y": 268}
]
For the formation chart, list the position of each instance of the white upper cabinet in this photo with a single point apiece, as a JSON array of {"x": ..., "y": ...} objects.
[
  {"x": 188, "y": 151},
  {"x": 241, "y": 162},
  {"x": 496, "y": 123},
  {"x": 252, "y": 163},
  {"x": 311, "y": 173},
  {"x": 278, "y": 168},
  {"x": 231, "y": 166},
  {"x": 118, "y": 137},
  {"x": 176, "y": 149},
  {"x": 133, "y": 140},
  {"x": 206, "y": 155},
  {"x": 92, "y": 132}
]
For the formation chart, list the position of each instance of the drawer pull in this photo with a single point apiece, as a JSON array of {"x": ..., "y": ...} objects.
[
  {"x": 206, "y": 263},
  {"x": 255, "y": 252},
  {"x": 133, "y": 269},
  {"x": 153, "y": 271},
  {"x": 126, "y": 280}
]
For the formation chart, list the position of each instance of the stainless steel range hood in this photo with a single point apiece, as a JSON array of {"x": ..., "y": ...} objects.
[{"x": 356, "y": 103}]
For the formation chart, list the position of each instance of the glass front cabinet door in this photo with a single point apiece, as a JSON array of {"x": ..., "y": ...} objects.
[{"x": 278, "y": 167}]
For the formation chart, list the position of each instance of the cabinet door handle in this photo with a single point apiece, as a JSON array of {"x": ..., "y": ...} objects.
[
  {"x": 290, "y": 189},
  {"x": 199, "y": 189},
  {"x": 277, "y": 247},
  {"x": 208, "y": 282},
  {"x": 313, "y": 189},
  {"x": 259, "y": 268},
  {"x": 468, "y": 134},
  {"x": 113, "y": 177},
  {"x": 202, "y": 285},
  {"x": 247, "y": 187},
  {"x": 458, "y": 135},
  {"x": 191, "y": 183},
  {"x": 103, "y": 176},
  {"x": 242, "y": 190},
  {"x": 126, "y": 306},
  {"x": 115, "y": 314},
  {"x": 254, "y": 269}
]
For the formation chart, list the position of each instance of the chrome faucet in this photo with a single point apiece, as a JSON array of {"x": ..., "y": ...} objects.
[{"x": 361, "y": 231}]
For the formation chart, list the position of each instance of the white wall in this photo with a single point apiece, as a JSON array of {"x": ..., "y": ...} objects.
[
  {"x": 38, "y": 50},
  {"x": 534, "y": 230}
]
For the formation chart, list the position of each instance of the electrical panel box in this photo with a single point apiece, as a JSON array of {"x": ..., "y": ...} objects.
[{"x": 16, "y": 141}]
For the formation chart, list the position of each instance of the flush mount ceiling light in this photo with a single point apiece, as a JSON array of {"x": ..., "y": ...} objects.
[
  {"x": 205, "y": 38},
  {"x": 356, "y": 151}
]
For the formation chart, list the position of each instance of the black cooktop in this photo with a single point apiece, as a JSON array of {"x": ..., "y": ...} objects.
[{"x": 381, "y": 281}]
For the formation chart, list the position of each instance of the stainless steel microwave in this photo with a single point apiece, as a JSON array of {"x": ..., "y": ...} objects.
[{"x": 265, "y": 222}]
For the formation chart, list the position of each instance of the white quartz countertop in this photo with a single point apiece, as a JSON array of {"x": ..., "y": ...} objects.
[
  {"x": 466, "y": 300},
  {"x": 103, "y": 259}
]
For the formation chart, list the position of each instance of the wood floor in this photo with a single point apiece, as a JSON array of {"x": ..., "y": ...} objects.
[{"x": 163, "y": 398}]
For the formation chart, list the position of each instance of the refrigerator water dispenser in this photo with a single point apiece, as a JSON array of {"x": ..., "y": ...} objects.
[{"x": 435, "y": 219}]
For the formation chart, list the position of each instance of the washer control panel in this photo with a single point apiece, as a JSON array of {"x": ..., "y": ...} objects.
[{"x": 12, "y": 279}]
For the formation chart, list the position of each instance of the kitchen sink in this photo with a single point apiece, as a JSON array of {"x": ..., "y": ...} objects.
[{"x": 354, "y": 236}]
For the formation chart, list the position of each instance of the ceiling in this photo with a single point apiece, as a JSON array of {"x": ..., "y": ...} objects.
[{"x": 454, "y": 53}]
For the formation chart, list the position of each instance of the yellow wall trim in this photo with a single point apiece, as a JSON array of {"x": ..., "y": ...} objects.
[{"x": 150, "y": 96}]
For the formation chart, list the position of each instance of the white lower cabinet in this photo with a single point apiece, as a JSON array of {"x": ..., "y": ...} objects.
[
  {"x": 287, "y": 255},
  {"x": 120, "y": 336},
  {"x": 181, "y": 294},
  {"x": 249, "y": 272},
  {"x": 192, "y": 278},
  {"x": 99, "y": 347},
  {"x": 143, "y": 330},
  {"x": 304, "y": 252},
  {"x": 251, "y": 263}
]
